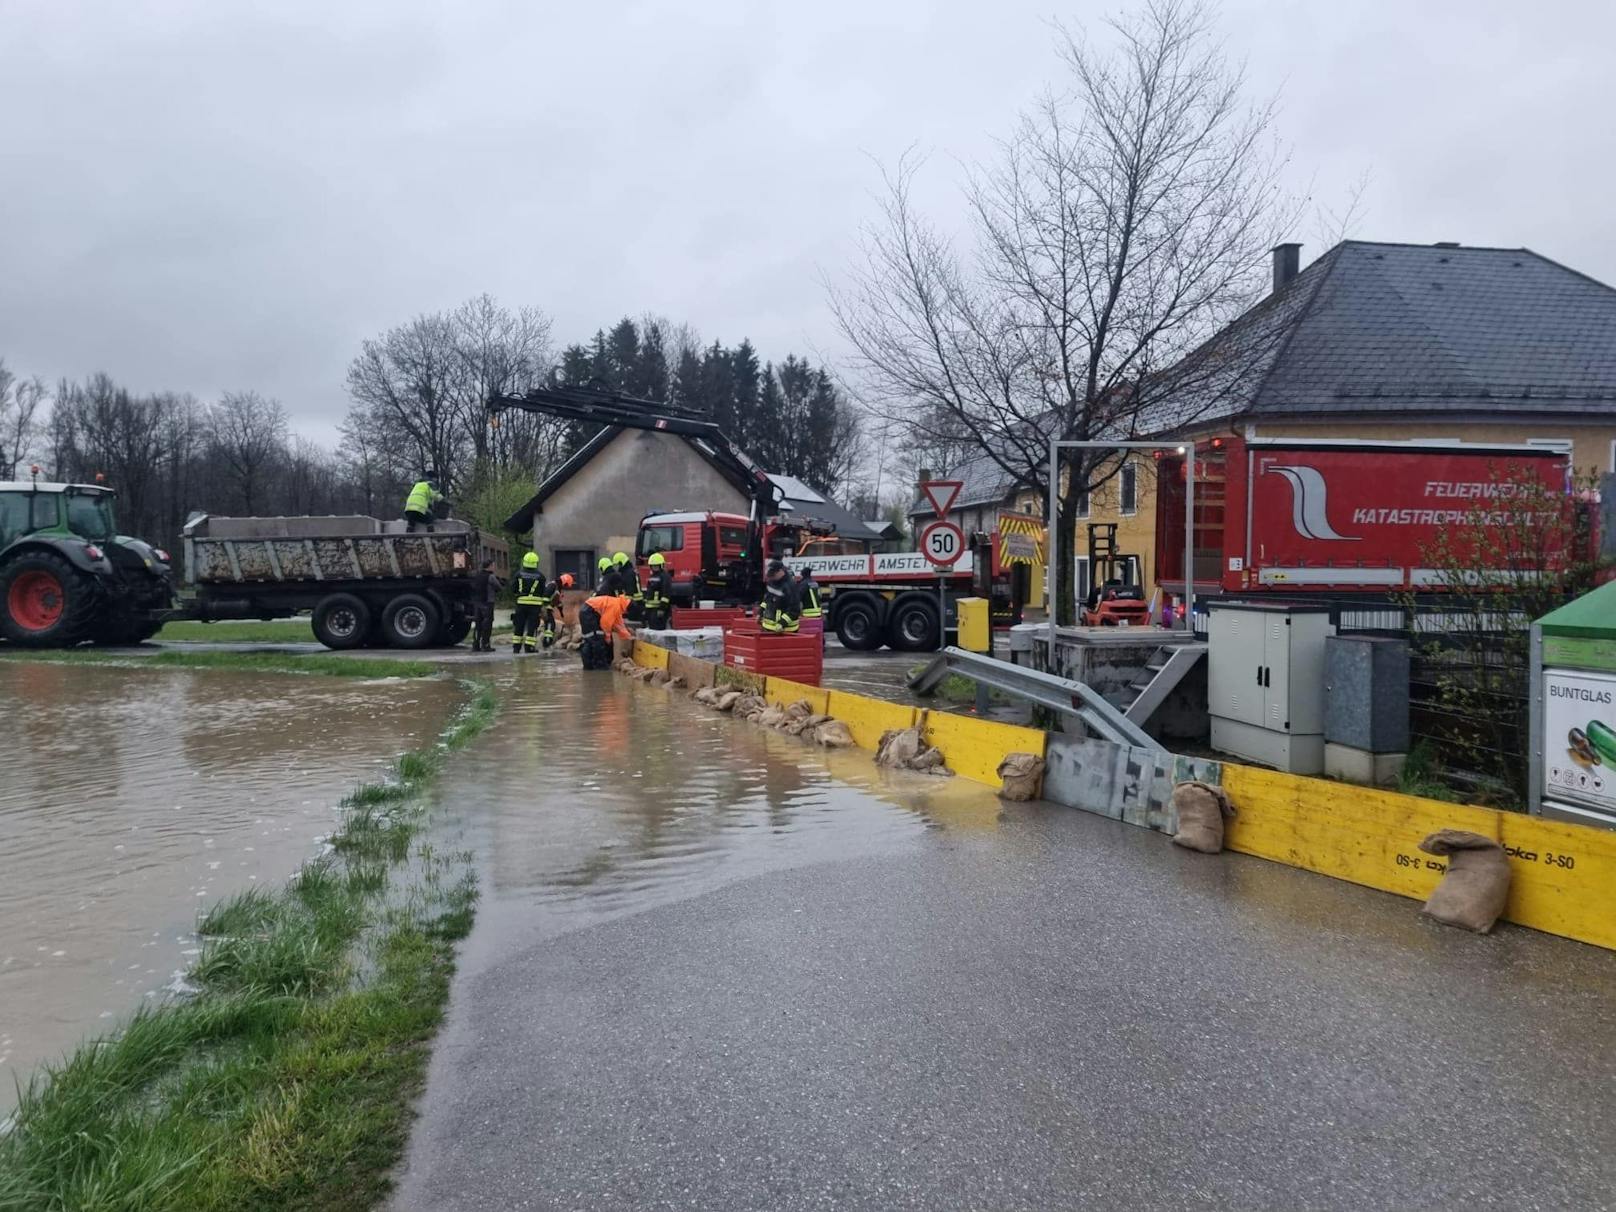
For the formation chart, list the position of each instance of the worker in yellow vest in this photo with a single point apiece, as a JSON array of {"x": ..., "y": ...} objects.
[
  {"x": 658, "y": 592},
  {"x": 530, "y": 593},
  {"x": 422, "y": 501}
]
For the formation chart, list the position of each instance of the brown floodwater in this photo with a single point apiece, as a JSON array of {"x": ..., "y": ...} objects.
[
  {"x": 132, "y": 799},
  {"x": 594, "y": 796}
]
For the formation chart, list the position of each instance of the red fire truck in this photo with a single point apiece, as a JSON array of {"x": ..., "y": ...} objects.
[
  {"x": 886, "y": 598},
  {"x": 1335, "y": 516}
]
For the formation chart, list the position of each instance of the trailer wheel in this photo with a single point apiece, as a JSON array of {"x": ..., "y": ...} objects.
[
  {"x": 45, "y": 602},
  {"x": 341, "y": 621},
  {"x": 914, "y": 626},
  {"x": 858, "y": 625},
  {"x": 410, "y": 621}
]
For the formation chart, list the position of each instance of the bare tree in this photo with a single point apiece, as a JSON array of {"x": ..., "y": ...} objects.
[
  {"x": 20, "y": 401},
  {"x": 1125, "y": 221},
  {"x": 249, "y": 437}
]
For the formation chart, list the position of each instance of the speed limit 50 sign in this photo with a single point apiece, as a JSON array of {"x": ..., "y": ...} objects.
[{"x": 942, "y": 543}]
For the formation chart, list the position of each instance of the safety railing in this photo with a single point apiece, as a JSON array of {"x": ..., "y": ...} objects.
[{"x": 1057, "y": 694}]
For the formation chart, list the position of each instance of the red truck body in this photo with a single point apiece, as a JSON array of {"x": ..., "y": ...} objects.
[{"x": 1312, "y": 515}]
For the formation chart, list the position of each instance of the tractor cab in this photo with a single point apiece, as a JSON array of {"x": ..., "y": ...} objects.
[
  {"x": 1116, "y": 598},
  {"x": 67, "y": 576}
]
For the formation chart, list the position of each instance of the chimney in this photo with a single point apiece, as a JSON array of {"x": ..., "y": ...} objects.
[{"x": 1287, "y": 258}]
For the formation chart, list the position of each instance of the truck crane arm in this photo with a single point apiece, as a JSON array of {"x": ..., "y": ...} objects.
[
  {"x": 615, "y": 408},
  {"x": 630, "y": 412}
]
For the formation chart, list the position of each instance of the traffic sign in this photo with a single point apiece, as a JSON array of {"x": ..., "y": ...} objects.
[
  {"x": 942, "y": 494},
  {"x": 942, "y": 543}
]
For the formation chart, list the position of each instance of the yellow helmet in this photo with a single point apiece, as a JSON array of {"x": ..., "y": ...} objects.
[
  {"x": 604, "y": 563},
  {"x": 530, "y": 560},
  {"x": 620, "y": 558},
  {"x": 656, "y": 558}
]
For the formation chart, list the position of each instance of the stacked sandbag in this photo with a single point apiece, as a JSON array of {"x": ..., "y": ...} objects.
[
  {"x": 906, "y": 749},
  {"x": 750, "y": 706},
  {"x": 1020, "y": 776},
  {"x": 707, "y": 696},
  {"x": 833, "y": 734},
  {"x": 1202, "y": 810},
  {"x": 676, "y": 682},
  {"x": 1473, "y": 892},
  {"x": 727, "y": 700}
]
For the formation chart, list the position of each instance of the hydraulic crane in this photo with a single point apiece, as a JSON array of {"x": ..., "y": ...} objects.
[{"x": 601, "y": 407}]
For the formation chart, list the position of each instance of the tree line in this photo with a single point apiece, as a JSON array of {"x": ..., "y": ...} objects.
[{"x": 417, "y": 395}]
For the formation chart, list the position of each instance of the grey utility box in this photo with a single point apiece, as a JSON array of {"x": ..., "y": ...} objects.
[
  {"x": 1265, "y": 682},
  {"x": 1366, "y": 700}
]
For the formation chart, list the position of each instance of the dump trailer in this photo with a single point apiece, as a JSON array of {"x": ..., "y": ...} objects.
[{"x": 366, "y": 581}]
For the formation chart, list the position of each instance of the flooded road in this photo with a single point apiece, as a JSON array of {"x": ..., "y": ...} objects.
[
  {"x": 131, "y": 799},
  {"x": 714, "y": 967}
]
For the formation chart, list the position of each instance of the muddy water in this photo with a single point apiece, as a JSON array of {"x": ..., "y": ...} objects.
[
  {"x": 594, "y": 796},
  {"x": 130, "y": 799}
]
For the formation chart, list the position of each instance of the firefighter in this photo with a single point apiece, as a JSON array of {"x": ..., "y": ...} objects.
[
  {"x": 544, "y": 620},
  {"x": 658, "y": 593},
  {"x": 808, "y": 596},
  {"x": 530, "y": 593},
  {"x": 605, "y": 576},
  {"x": 599, "y": 619},
  {"x": 555, "y": 614},
  {"x": 422, "y": 501},
  {"x": 628, "y": 583},
  {"x": 779, "y": 613}
]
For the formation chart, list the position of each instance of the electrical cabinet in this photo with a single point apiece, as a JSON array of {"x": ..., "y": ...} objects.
[{"x": 1265, "y": 682}]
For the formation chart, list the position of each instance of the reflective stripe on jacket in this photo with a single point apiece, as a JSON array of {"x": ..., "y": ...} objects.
[
  {"x": 422, "y": 497},
  {"x": 530, "y": 589}
]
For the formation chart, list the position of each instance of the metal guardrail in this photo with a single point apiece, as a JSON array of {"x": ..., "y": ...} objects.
[{"x": 1045, "y": 689}]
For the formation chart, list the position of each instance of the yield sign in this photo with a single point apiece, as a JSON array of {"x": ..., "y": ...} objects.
[{"x": 942, "y": 494}]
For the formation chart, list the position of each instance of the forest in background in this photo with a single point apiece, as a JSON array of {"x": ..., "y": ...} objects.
[{"x": 417, "y": 396}]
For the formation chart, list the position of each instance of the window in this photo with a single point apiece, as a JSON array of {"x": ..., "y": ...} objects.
[
  {"x": 89, "y": 515},
  {"x": 661, "y": 538},
  {"x": 1613, "y": 455},
  {"x": 13, "y": 516},
  {"x": 580, "y": 561},
  {"x": 732, "y": 536},
  {"x": 1129, "y": 489},
  {"x": 1083, "y": 504},
  {"x": 1080, "y": 580},
  {"x": 45, "y": 510}
]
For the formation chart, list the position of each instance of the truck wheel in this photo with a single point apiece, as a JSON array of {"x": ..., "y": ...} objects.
[
  {"x": 410, "y": 621},
  {"x": 45, "y": 603},
  {"x": 341, "y": 621},
  {"x": 913, "y": 626},
  {"x": 454, "y": 631},
  {"x": 858, "y": 626}
]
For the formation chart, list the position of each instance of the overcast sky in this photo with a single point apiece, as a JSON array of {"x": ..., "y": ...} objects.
[{"x": 200, "y": 197}]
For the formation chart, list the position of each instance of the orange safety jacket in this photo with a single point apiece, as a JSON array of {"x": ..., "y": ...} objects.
[{"x": 610, "y": 608}]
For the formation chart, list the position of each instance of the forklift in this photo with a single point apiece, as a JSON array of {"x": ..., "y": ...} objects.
[{"x": 1111, "y": 601}]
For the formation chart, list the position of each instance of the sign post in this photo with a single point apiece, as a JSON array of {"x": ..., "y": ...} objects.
[{"x": 942, "y": 543}]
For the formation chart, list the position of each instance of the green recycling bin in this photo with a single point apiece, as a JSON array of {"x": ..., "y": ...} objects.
[{"x": 1573, "y": 719}]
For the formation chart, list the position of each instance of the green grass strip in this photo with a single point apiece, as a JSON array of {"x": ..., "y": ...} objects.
[
  {"x": 274, "y": 631},
  {"x": 286, "y": 1081},
  {"x": 250, "y": 662}
]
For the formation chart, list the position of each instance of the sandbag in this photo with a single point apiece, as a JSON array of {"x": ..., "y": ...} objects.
[
  {"x": 659, "y": 677},
  {"x": 1021, "y": 774},
  {"x": 772, "y": 718},
  {"x": 833, "y": 734},
  {"x": 707, "y": 696},
  {"x": 1473, "y": 892},
  {"x": 1202, "y": 809},
  {"x": 898, "y": 747},
  {"x": 727, "y": 700},
  {"x": 676, "y": 682},
  {"x": 750, "y": 706}
]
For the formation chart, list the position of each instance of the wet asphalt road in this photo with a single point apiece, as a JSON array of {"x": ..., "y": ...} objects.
[{"x": 1039, "y": 1009}]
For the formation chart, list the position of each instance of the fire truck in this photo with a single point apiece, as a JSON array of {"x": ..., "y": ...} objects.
[
  {"x": 1336, "y": 517},
  {"x": 893, "y": 598}
]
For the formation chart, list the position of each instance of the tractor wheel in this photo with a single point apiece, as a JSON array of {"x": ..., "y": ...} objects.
[
  {"x": 410, "y": 621},
  {"x": 341, "y": 621},
  {"x": 858, "y": 627},
  {"x": 125, "y": 631},
  {"x": 914, "y": 626},
  {"x": 45, "y": 602}
]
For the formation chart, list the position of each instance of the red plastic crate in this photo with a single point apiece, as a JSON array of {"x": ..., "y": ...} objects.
[
  {"x": 689, "y": 618},
  {"x": 798, "y": 658}
]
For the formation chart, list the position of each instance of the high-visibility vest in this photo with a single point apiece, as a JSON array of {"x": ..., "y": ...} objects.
[
  {"x": 810, "y": 599},
  {"x": 530, "y": 589},
  {"x": 421, "y": 498},
  {"x": 656, "y": 590}
]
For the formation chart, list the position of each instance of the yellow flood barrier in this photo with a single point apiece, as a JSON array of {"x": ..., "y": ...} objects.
[
  {"x": 973, "y": 748},
  {"x": 1562, "y": 874},
  {"x": 652, "y": 656},
  {"x": 868, "y": 718},
  {"x": 782, "y": 692}
]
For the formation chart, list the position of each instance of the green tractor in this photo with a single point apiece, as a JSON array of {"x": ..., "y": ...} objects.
[{"x": 67, "y": 577}]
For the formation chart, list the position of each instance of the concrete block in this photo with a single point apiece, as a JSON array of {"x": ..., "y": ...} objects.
[
  {"x": 1366, "y": 693},
  {"x": 1362, "y": 767}
]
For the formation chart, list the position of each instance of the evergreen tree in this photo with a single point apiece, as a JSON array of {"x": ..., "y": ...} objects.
[
  {"x": 623, "y": 357},
  {"x": 745, "y": 379},
  {"x": 651, "y": 380},
  {"x": 688, "y": 386}
]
